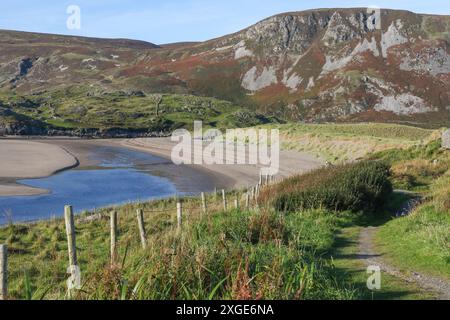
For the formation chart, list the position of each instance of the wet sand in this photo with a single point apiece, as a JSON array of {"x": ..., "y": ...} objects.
[
  {"x": 231, "y": 176},
  {"x": 45, "y": 156}
]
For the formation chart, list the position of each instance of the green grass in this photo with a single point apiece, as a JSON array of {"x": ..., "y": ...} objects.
[
  {"x": 346, "y": 258},
  {"x": 354, "y": 271},
  {"x": 80, "y": 107},
  {"x": 225, "y": 255},
  {"x": 421, "y": 241},
  {"x": 338, "y": 143},
  {"x": 362, "y": 186},
  {"x": 415, "y": 168}
]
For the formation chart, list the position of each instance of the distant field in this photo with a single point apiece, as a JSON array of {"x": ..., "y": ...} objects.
[{"x": 338, "y": 143}]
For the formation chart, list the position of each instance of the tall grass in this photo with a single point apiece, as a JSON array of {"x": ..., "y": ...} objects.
[
  {"x": 233, "y": 255},
  {"x": 342, "y": 143},
  {"x": 223, "y": 255},
  {"x": 363, "y": 186},
  {"x": 417, "y": 167}
]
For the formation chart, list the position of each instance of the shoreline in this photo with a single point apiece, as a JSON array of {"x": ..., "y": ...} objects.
[
  {"x": 201, "y": 176},
  {"x": 236, "y": 175},
  {"x": 9, "y": 183}
]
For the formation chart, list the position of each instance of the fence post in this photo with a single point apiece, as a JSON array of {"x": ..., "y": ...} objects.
[
  {"x": 70, "y": 231},
  {"x": 140, "y": 217},
  {"x": 179, "y": 215},
  {"x": 113, "y": 236},
  {"x": 204, "y": 207},
  {"x": 71, "y": 248},
  {"x": 236, "y": 202},
  {"x": 257, "y": 195},
  {"x": 247, "y": 200},
  {"x": 3, "y": 272},
  {"x": 224, "y": 197}
]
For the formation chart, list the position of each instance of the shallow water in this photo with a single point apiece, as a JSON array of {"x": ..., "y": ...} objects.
[{"x": 121, "y": 176}]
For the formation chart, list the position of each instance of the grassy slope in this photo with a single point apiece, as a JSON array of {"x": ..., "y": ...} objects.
[
  {"x": 338, "y": 143},
  {"x": 80, "y": 107},
  {"x": 232, "y": 255},
  {"x": 421, "y": 241}
]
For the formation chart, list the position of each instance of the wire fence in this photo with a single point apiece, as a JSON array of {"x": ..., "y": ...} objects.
[{"x": 206, "y": 205}]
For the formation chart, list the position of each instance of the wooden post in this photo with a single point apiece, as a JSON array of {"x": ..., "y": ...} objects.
[
  {"x": 71, "y": 241},
  {"x": 204, "y": 207},
  {"x": 236, "y": 202},
  {"x": 224, "y": 197},
  {"x": 3, "y": 272},
  {"x": 257, "y": 195},
  {"x": 179, "y": 215},
  {"x": 247, "y": 201},
  {"x": 113, "y": 236},
  {"x": 140, "y": 218}
]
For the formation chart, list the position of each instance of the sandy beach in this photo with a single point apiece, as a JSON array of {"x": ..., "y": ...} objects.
[
  {"x": 231, "y": 176},
  {"x": 22, "y": 159}
]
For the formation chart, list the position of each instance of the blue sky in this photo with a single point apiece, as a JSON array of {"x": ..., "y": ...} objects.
[{"x": 165, "y": 21}]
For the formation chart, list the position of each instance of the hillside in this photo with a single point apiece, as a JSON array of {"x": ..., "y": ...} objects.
[{"x": 318, "y": 65}]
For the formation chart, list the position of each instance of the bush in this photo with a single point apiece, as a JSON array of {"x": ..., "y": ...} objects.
[{"x": 362, "y": 186}]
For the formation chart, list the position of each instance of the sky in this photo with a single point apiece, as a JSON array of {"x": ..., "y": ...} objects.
[{"x": 167, "y": 21}]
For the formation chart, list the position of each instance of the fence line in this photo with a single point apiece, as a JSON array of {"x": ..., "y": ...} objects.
[{"x": 251, "y": 194}]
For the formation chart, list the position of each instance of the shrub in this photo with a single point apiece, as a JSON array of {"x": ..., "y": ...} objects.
[{"x": 361, "y": 186}]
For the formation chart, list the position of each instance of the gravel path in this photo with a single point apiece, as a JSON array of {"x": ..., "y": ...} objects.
[{"x": 368, "y": 254}]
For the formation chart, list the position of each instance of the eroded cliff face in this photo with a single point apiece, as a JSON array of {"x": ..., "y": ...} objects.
[
  {"x": 348, "y": 64},
  {"x": 318, "y": 65}
]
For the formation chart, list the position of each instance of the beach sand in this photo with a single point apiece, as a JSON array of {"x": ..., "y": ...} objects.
[
  {"x": 20, "y": 158},
  {"x": 232, "y": 176}
]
